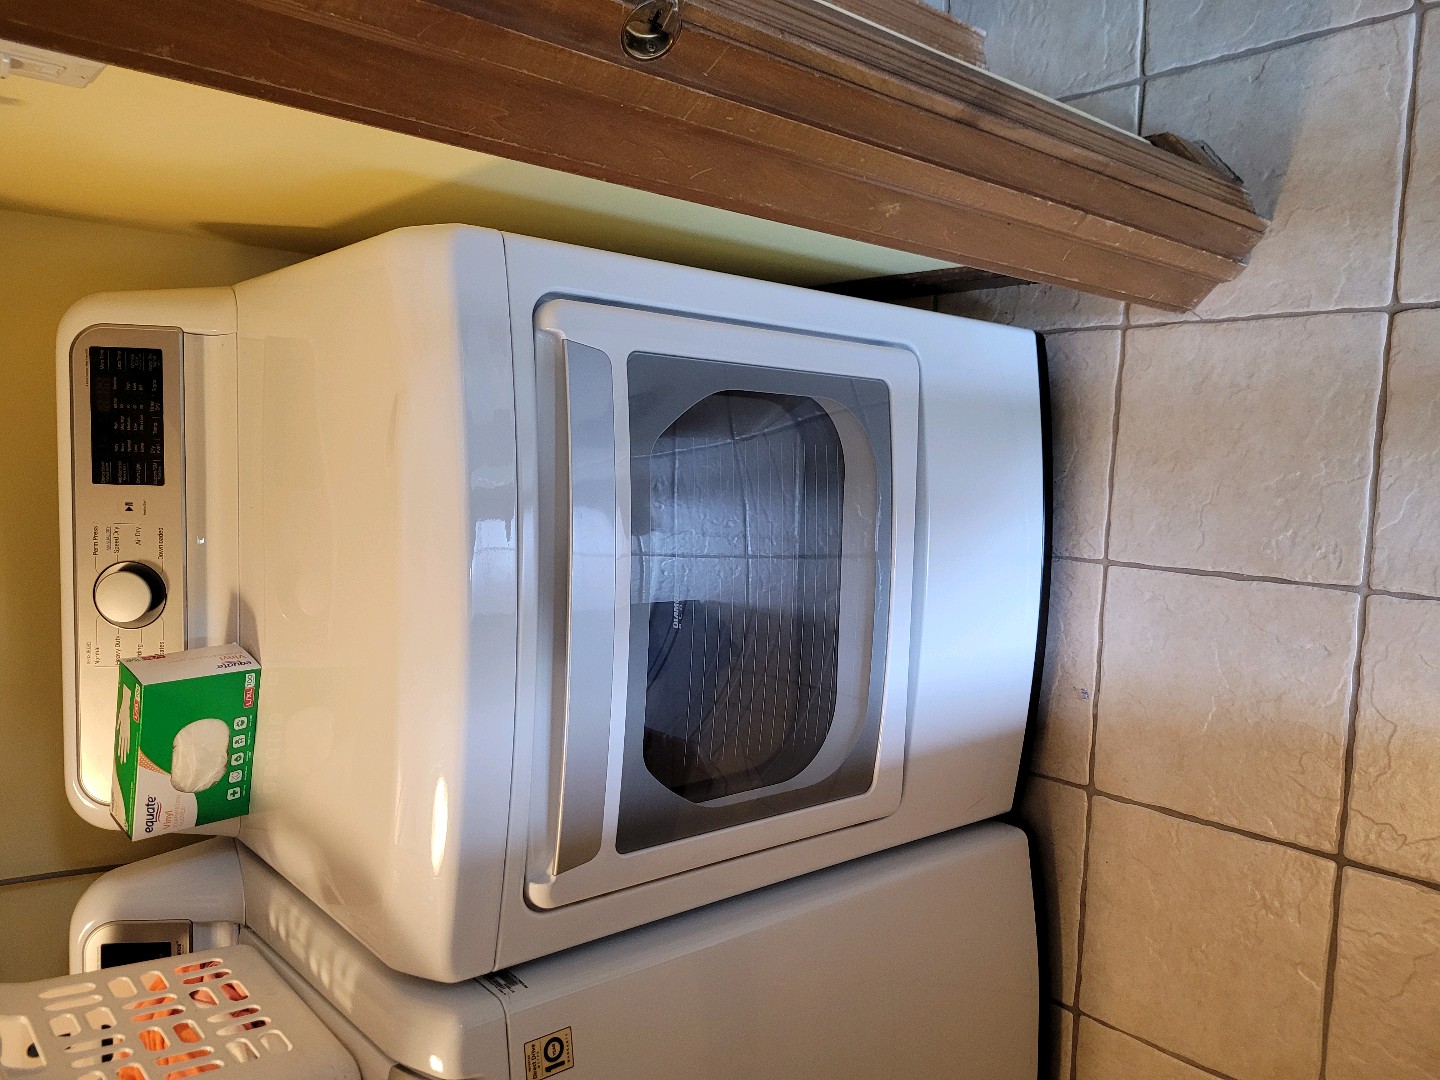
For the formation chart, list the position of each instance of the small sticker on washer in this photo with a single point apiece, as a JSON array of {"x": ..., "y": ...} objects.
[{"x": 549, "y": 1055}]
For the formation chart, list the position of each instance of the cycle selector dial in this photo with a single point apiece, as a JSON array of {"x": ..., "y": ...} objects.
[{"x": 130, "y": 595}]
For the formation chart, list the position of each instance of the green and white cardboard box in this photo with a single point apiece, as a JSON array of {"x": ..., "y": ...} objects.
[{"x": 184, "y": 739}]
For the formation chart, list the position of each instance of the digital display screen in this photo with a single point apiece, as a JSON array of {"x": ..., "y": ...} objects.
[
  {"x": 113, "y": 954},
  {"x": 127, "y": 416}
]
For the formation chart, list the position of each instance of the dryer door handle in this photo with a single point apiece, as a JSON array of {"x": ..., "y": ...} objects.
[{"x": 590, "y": 548}]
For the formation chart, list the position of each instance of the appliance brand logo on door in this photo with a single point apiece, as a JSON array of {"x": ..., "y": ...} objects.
[{"x": 184, "y": 739}]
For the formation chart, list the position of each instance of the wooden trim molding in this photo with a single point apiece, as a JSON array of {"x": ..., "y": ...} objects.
[
  {"x": 797, "y": 111},
  {"x": 922, "y": 24}
]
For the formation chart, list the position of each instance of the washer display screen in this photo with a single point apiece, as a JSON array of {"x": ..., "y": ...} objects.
[
  {"x": 127, "y": 427},
  {"x": 115, "y": 953}
]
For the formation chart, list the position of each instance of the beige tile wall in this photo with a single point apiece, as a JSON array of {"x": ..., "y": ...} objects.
[
  {"x": 1102, "y": 41},
  {"x": 1234, "y": 786},
  {"x": 48, "y": 264}
]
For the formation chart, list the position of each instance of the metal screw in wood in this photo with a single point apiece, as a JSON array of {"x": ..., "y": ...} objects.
[{"x": 651, "y": 28}]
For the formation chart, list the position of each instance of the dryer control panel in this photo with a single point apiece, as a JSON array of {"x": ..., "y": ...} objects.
[{"x": 128, "y": 454}]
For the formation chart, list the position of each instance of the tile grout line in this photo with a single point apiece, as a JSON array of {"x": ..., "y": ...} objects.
[
  {"x": 1339, "y": 859},
  {"x": 1224, "y": 575},
  {"x": 1082, "y": 905},
  {"x": 1240, "y": 54},
  {"x": 55, "y": 875},
  {"x": 1393, "y": 308},
  {"x": 1332, "y": 948},
  {"x": 1347, "y": 777},
  {"x": 1142, "y": 51},
  {"x": 1407, "y": 164},
  {"x": 1362, "y": 591},
  {"x": 1123, "y": 84},
  {"x": 1154, "y": 1046},
  {"x": 1100, "y": 630},
  {"x": 1305, "y": 313},
  {"x": 1089, "y": 786},
  {"x": 1245, "y": 54}
]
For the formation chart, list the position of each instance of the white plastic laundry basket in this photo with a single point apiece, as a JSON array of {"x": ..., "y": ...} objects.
[{"x": 210, "y": 1012}]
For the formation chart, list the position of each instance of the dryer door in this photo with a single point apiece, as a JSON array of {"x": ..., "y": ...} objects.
[{"x": 731, "y": 522}]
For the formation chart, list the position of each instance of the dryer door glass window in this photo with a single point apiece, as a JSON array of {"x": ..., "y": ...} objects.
[
  {"x": 761, "y": 521},
  {"x": 746, "y": 500}
]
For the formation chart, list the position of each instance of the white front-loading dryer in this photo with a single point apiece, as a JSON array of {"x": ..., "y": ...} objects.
[{"x": 587, "y": 589}]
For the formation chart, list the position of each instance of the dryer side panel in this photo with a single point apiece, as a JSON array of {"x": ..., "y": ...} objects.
[{"x": 377, "y": 504}]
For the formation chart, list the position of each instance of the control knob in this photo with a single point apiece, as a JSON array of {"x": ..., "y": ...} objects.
[{"x": 130, "y": 595}]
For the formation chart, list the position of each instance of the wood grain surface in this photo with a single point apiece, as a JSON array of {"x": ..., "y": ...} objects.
[{"x": 789, "y": 110}]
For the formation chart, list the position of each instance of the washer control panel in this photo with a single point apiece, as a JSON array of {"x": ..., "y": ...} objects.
[{"x": 128, "y": 453}]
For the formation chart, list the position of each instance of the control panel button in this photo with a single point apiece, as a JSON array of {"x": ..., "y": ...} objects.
[{"x": 129, "y": 595}]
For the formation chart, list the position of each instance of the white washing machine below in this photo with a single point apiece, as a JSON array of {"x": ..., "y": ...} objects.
[{"x": 915, "y": 961}]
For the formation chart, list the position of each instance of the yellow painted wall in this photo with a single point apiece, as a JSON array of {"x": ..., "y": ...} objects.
[
  {"x": 195, "y": 160},
  {"x": 46, "y": 264}
]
